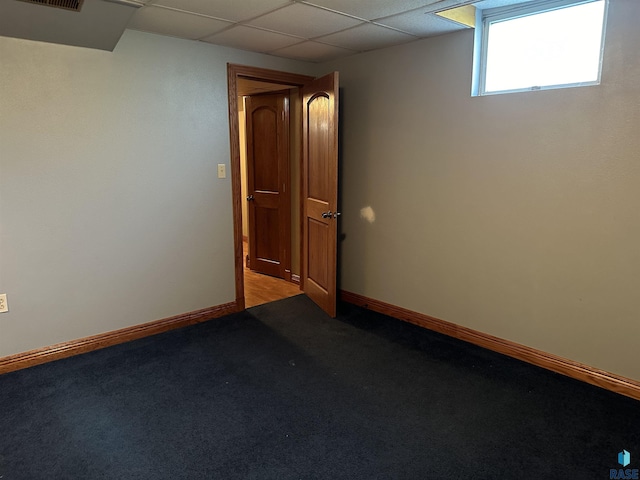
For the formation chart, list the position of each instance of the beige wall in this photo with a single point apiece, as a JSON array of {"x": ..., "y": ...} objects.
[
  {"x": 515, "y": 215},
  {"x": 111, "y": 212}
]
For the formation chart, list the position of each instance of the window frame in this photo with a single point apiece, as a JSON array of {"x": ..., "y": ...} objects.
[{"x": 490, "y": 15}]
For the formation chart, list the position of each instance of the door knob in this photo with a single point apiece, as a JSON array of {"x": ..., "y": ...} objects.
[
  {"x": 336, "y": 214},
  {"x": 327, "y": 214},
  {"x": 250, "y": 198}
]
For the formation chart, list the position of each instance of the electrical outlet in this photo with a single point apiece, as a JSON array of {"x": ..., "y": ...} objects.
[
  {"x": 222, "y": 170},
  {"x": 4, "y": 306}
]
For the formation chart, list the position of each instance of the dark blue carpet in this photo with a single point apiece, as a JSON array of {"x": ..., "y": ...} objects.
[{"x": 284, "y": 392}]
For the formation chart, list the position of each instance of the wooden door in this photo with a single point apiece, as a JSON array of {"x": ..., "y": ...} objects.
[
  {"x": 268, "y": 180},
  {"x": 320, "y": 191}
]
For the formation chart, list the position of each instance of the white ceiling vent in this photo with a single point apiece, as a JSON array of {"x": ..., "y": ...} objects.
[{"x": 74, "y": 5}]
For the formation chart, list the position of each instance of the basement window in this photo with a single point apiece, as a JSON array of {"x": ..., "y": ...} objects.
[{"x": 539, "y": 45}]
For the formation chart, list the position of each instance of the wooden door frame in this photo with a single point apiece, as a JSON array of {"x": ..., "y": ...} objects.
[{"x": 235, "y": 72}]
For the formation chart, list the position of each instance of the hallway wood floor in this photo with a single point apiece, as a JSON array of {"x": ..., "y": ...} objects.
[{"x": 259, "y": 289}]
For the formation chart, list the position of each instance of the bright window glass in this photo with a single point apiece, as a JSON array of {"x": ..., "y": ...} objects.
[{"x": 557, "y": 47}]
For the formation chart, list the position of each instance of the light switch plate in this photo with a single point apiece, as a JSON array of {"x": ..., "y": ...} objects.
[{"x": 222, "y": 170}]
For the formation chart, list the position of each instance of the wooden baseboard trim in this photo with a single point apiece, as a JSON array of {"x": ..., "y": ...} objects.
[
  {"x": 564, "y": 366},
  {"x": 295, "y": 278},
  {"x": 96, "y": 342}
]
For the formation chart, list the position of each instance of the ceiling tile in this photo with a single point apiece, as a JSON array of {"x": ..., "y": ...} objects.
[
  {"x": 372, "y": 9},
  {"x": 227, "y": 9},
  {"x": 313, "y": 52},
  {"x": 254, "y": 39},
  {"x": 177, "y": 24},
  {"x": 367, "y": 37},
  {"x": 419, "y": 23},
  {"x": 304, "y": 21}
]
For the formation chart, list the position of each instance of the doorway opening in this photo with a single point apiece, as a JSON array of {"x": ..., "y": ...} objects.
[{"x": 252, "y": 288}]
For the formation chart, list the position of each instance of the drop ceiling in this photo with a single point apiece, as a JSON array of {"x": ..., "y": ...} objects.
[
  {"x": 315, "y": 31},
  {"x": 310, "y": 30}
]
